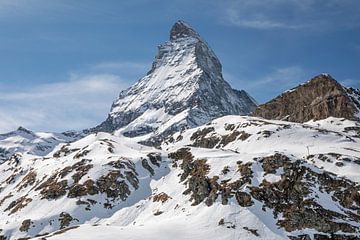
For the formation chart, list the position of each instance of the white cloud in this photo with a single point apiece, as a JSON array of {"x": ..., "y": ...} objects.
[
  {"x": 121, "y": 66},
  {"x": 237, "y": 18},
  {"x": 76, "y": 85},
  {"x": 350, "y": 82},
  {"x": 280, "y": 76},
  {"x": 272, "y": 83},
  {"x": 80, "y": 102},
  {"x": 23, "y": 7},
  {"x": 316, "y": 15}
]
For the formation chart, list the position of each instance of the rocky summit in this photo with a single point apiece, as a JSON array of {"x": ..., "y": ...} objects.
[
  {"x": 184, "y": 88},
  {"x": 319, "y": 98},
  {"x": 209, "y": 176}
]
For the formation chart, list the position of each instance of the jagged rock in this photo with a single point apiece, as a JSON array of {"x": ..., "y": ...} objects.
[
  {"x": 65, "y": 151},
  {"x": 158, "y": 212},
  {"x": 206, "y": 138},
  {"x": 289, "y": 196},
  {"x": 25, "y": 225},
  {"x": 18, "y": 204},
  {"x": 271, "y": 163},
  {"x": 28, "y": 180},
  {"x": 320, "y": 98},
  {"x": 155, "y": 158},
  {"x": 52, "y": 188},
  {"x": 300, "y": 237},
  {"x": 161, "y": 197},
  {"x": 146, "y": 165},
  {"x": 198, "y": 183},
  {"x": 253, "y": 231},
  {"x": 113, "y": 187},
  {"x": 244, "y": 199},
  {"x": 66, "y": 219}
]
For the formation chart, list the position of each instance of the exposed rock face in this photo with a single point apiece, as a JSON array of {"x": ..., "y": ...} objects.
[
  {"x": 184, "y": 88},
  {"x": 65, "y": 219},
  {"x": 320, "y": 98},
  {"x": 25, "y": 225},
  {"x": 297, "y": 192}
]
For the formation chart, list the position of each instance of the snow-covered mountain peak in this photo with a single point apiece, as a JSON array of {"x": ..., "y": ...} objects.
[
  {"x": 182, "y": 30},
  {"x": 25, "y": 130},
  {"x": 184, "y": 88}
]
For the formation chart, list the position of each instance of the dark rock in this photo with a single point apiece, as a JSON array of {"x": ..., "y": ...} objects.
[
  {"x": 155, "y": 158},
  {"x": 25, "y": 225},
  {"x": 253, "y": 231},
  {"x": 66, "y": 219},
  {"x": 161, "y": 197},
  {"x": 146, "y": 165},
  {"x": 244, "y": 199},
  {"x": 319, "y": 98}
]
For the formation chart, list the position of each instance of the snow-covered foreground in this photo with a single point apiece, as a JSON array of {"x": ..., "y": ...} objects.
[{"x": 234, "y": 178}]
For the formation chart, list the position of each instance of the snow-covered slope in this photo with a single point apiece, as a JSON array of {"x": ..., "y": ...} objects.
[
  {"x": 25, "y": 141},
  {"x": 79, "y": 182},
  {"x": 234, "y": 178},
  {"x": 184, "y": 88}
]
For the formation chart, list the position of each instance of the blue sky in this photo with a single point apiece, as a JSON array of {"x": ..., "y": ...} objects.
[{"x": 63, "y": 62}]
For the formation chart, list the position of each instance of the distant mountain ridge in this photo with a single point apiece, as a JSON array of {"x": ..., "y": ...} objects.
[{"x": 23, "y": 140}]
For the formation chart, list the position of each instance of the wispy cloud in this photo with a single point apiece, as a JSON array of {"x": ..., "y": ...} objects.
[
  {"x": 24, "y": 7},
  {"x": 76, "y": 85},
  {"x": 60, "y": 10},
  {"x": 271, "y": 83},
  {"x": 122, "y": 66},
  {"x": 290, "y": 14},
  {"x": 79, "y": 102},
  {"x": 285, "y": 77},
  {"x": 257, "y": 21},
  {"x": 349, "y": 82}
]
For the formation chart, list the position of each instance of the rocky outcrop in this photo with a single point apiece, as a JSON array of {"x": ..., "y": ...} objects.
[
  {"x": 25, "y": 225},
  {"x": 291, "y": 196},
  {"x": 303, "y": 193},
  {"x": 320, "y": 98},
  {"x": 65, "y": 220}
]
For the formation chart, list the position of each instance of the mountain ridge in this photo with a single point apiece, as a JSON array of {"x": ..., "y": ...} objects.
[{"x": 319, "y": 98}]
